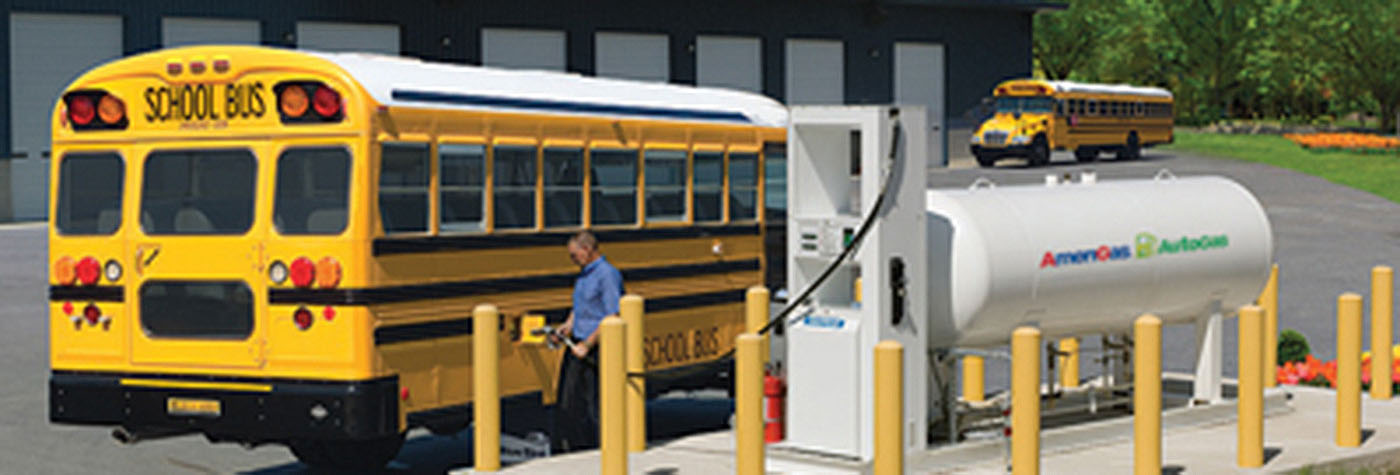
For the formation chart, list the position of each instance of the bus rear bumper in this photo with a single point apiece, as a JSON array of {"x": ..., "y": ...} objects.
[{"x": 255, "y": 411}]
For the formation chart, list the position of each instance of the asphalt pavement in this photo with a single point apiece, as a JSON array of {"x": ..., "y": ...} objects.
[{"x": 1327, "y": 237}]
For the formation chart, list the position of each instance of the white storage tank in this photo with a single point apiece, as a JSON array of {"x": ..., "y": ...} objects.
[{"x": 1090, "y": 257}]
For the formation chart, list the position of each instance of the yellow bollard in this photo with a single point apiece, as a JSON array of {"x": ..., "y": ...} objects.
[
  {"x": 1147, "y": 395},
  {"x": 756, "y": 316},
  {"x": 889, "y": 408},
  {"x": 748, "y": 405},
  {"x": 1382, "y": 287},
  {"x": 974, "y": 378},
  {"x": 1250, "y": 405},
  {"x": 1069, "y": 362},
  {"x": 1025, "y": 401},
  {"x": 1268, "y": 299},
  {"x": 1349, "y": 370},
  {"x": 631, "y": 308},
  {"x": 486, "y": 395},
  {"x": 612, "y": 401}
]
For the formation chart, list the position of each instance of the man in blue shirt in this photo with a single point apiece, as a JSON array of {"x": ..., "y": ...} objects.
[{"x": 597, "y": 292}]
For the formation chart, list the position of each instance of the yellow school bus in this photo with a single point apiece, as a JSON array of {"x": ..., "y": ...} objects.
[
  {"x": 276, "y": 246},
  {"x": 1034, "y": 117}
]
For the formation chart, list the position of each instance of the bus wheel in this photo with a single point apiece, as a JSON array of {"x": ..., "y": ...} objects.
[
  {"x": 1086, "y": 154},
  {"x": 1131, "y": 150},
  {"x": 986, "y": 160},
  {"x": 1040, "y": 152},
  {"x": 347, "y": 454}
]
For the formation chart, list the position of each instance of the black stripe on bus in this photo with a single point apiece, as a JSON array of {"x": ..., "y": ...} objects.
[
  {"x": 405, "y": 293},
  {"x": 96, "y": 293},
  {"x": 568, "y": 107},
  {"x": 679, "y": 302},
  {"x": 463, "y": 326},
  {"x": 388, "y": 246}
]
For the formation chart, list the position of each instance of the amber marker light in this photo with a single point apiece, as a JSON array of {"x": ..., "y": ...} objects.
[
  {"x": 110, "y": 109},
  {"x": 63, "y": 271},
  {"x": 293, "y": 101},
  {"x": 327, "y": 272}
]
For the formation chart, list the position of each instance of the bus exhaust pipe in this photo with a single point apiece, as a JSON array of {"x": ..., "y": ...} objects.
[{"x": 125, "y": 436}]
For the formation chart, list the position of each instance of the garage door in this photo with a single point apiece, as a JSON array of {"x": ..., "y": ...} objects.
[
  {"x": 176, "y": 31},
  {"x": 918, "y": 79},
  {"x": 814, "y": 72},
  {"x": 733, "y": 62},
  {"x": 638, "y": 56},
  {"x": 46, "y": 53},
  {"x": 362, "y": 37},
  {"x": 522, "y": 49}
]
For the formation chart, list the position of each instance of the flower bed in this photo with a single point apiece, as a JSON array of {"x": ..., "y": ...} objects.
[
  {"x": 1314, "y": 372},
  {"x": 1346, "y": 141}
]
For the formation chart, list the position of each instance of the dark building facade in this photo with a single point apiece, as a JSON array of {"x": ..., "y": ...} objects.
[{"x": 944, "y": 54}]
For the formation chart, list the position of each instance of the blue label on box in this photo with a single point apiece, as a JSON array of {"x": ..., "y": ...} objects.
[{"x": 823, "y": 322}]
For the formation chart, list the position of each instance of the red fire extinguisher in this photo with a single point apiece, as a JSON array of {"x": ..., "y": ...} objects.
[{"x": 774, "y": 391}]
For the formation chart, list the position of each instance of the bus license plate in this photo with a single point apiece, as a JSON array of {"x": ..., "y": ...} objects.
[{"x": 178, "y": 406}]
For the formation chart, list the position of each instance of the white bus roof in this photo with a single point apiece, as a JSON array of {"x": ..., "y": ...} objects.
[
  {"x": 397, "y": 81},
  {"x": 1071, "y": 86}
]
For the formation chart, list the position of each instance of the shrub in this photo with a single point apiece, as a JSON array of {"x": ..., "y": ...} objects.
[{"x": 1292, "y": 346}]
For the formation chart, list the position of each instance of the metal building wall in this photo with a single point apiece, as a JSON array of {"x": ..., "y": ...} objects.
[{"x": 983, "y": 44}]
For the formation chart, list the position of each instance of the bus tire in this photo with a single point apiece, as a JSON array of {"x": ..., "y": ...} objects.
[
  {"x": 347, "y": 454},
  {"x": 1040, "y": 152},
  {"x": 986, "y": 160},
  {"x": 1130, "y": 150},
  {"x": 1086, "y": 154}
]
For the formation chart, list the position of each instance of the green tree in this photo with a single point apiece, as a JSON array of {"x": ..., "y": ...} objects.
[
  {"x": 1208, "y": 42},
  {"x": 1066, "y": 42},
  {"x": 1364, "y": 38}
]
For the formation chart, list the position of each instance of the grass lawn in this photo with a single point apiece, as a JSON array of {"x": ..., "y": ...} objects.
[{"x": 1375, "y": 173}]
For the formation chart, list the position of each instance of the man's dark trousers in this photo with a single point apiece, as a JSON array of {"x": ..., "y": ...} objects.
[{"x": 577, "y": 416}]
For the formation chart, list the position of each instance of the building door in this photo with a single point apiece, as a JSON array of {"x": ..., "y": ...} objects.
[
  {"x": 733, "y": 62},
  {"x": 644, "y": 57},
  {"x": 177, "y": 31},
  {"x": 47, "y": 51},
  {"x": 522, "y": 49},
  {"x": 919, "y": 80},
  {"x": 356, "y": 37},
  {"x": 815, "y": 72}
]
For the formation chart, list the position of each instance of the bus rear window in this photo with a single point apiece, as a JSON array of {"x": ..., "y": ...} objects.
[
  {"x": 313, "y": 191},
  {"x": 90, "y": 193},
  {"x": 198, "y": 192},
  {"x": 189, "y": 309}
]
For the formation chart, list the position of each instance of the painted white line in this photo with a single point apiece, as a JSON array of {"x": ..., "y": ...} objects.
[{"x": 24, "y": 225}]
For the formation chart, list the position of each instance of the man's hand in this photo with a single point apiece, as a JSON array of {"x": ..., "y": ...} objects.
[{"x": 580, "y": 350}]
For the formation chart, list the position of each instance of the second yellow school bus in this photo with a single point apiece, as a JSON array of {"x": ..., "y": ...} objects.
[
  {"x": 274, "y": 246},
  {"x": 1034, "y": 117}
]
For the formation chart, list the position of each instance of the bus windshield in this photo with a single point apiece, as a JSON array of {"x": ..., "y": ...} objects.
[{"x": 1034, "y": 105}]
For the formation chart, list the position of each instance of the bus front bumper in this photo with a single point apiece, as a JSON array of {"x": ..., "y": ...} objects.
[
  {"x": 226, "y": 409},
  {"x": 1004, "y": 151}
]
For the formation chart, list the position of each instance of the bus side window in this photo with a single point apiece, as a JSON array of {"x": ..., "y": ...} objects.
[
  {"x": 463, "y": 187},
  {"x": 774, "y": 182},
  {"x": 563, "y": 187},
  {"x": 1093, "y": 108},
  {"x": 709, "y": 186},
  {"x": 613, "y": 192},
  {"x": 403, "y": 187},
  {"x": 743, "y": 186},
  {"x": 665, "y": 172},
  {"x": 513, "y": 187}
]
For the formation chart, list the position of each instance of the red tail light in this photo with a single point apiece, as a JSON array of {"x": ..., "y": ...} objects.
[
  {"x": 326, "y": 101},
  {"x": 303, "y": 318},
  {"x": 89, "y": 271},
  {"x": 329, "y": 313},
  {"x": 91, "y": 313},
  {"x": 81, "y": 111},
  {"x": 303, "y": 272}
]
